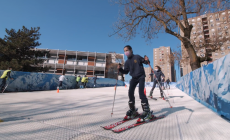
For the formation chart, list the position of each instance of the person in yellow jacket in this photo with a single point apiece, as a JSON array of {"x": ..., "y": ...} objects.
[
  {"x": 84, "y": 81},
  {"x": 4, "y": 77}
]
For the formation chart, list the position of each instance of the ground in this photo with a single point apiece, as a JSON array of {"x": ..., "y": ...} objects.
[{"x": 78, "y": 114}]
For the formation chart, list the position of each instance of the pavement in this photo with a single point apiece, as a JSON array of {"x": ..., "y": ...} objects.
[{"x": 78, "y": 115}]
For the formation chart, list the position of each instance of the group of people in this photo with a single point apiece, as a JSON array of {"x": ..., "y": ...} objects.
[{"x": 81, "y": 81}]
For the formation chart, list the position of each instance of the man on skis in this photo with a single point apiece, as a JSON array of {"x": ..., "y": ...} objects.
[{"x": 134, "y": 66}]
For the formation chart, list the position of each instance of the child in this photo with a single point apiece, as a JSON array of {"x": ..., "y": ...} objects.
[
  {"x": 61, "y": 79},
  {"x": 158, "y": 73},
  {"x": 167, "y": 83},
  {"x": 95, "y": 81},
  {"x": 134, "y": 66}
]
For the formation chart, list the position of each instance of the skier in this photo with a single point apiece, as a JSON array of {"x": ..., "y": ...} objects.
[
  {"x": 158, "y": 73},
  {"x": 134, "y": 66},
  {"x": 78, "y": 79},
  {"x": 167, "y": 83},
  {"x": 95, "y": 80},
  {"x": 4, "y": 77},
  {"x": 61, "y": 79}
]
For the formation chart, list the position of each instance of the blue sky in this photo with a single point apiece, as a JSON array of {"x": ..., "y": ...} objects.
[{"x": 82, "y": 25}]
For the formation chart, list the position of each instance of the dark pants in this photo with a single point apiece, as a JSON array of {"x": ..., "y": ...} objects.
[
  {"x": 60, "y": 84},
  {"x": 3, "y": 84},
  {"x": 85, "y": 84},
  {"x": 154, "y": 85},
  {"x": 168, "y": 85},
  {"x": 132, "y": 86}
]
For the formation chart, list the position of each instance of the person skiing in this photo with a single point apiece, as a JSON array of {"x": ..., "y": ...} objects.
[
  {"x": 78, "y": 79},
  {"x": 4, "y": 77},
  {"x": 167, "y": 83},
  {"x": 61, "y": 79},
  {"x": 134, "y": 66},
  {"x": 95, "y": 80},
  {"x": 158, "y": 73}
]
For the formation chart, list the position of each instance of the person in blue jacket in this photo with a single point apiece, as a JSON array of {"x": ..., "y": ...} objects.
[
  {"x": 157, "y": 78},
  {"x": 134, "y": 66}
]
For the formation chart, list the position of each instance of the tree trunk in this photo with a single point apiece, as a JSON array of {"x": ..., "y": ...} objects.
[{"x": 194, "y": 59}]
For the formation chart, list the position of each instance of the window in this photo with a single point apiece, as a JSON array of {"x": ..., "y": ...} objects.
[
  {"x": 200, "y": 36},
  {"x": 224, "y": 18},
  {"x": 218, "y": 19},
  {"x": 223, "y": 53},
  {"x": 194, "y": 33},
  {"x": 229, "y": 47},
  {"x": 216, "y": 15},
  {"x": 223, "y": 13},
  {"x": 193, "y": 20},
  {"x": 216, "y": 54},
  {"x": 213, "y": 33},
  {"x": 219, "y": 29},
  {"x": 228, "y": 42},
  {"x": 226, "y": 27},
  {"x": 212, "y": 25}
]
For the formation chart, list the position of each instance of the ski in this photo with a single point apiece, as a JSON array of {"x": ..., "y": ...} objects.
[
  {"x": 111, "y": 126},
  {"x": 4, "y": 88},
  {"x": 136, "y": 124},
  {"x": 152, "y": 98}
]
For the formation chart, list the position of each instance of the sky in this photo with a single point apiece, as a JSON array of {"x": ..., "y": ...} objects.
[{"x": 79, "y": 25}]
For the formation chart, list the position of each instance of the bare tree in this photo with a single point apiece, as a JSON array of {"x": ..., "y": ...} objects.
[
  {"x": 153, "y": 16},
  {"x": 117, "y": 59}
]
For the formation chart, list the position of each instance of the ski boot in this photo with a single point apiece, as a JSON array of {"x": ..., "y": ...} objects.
[
  {"x": 151, "y": 94},
  {"x": 162, "y": 96},
  {"x": 146, "y": 115},
  {"x": 132, "y": 112}
]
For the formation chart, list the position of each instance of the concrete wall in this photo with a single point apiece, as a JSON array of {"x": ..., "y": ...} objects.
[
  {"x": 210, "y": 85},
  {"x": 29, "y": 81}
]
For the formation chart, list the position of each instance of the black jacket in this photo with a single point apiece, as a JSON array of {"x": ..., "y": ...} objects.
[
  {"x": 168, "y": 81},
  {"x": 134, "y": 66},
  {"x": 158, "y": 74}
]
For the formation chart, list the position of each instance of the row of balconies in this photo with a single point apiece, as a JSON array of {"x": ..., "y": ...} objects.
[{"x": 80, "y": 63}]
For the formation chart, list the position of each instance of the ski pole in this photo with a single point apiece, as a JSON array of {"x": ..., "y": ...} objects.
[
  {"x": 159, "y": 83},
  {"x": 115, "y": 92}
]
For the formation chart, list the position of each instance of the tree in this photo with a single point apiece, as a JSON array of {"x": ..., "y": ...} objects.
[
  {"x": 112, "y": 62},
  {"x": 155, "y": 16},
  {"x": 17, "y": 50}
]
